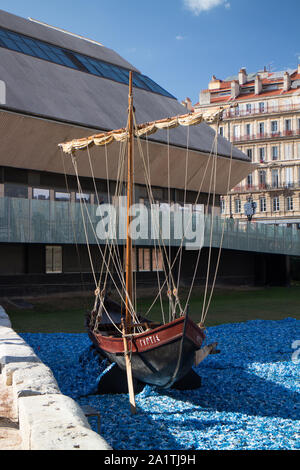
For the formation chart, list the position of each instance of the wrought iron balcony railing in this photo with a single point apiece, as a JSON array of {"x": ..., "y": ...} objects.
[
  {"x": 266, "y": 136},
  {"x": 267, "y": 108}
]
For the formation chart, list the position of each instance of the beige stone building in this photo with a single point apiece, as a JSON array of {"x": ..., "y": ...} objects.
[{"x": 265, "y": 124}]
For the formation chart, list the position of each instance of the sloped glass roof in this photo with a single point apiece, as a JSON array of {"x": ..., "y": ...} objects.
[{"x": 40, "y": 49}]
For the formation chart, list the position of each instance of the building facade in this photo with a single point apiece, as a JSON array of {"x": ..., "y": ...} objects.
[
  {"x": 55, "y": 87},
  {"x": 263, "y": 122}
]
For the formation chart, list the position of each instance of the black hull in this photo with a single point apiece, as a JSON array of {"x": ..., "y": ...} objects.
[
  {"x": 159, "y": 366},
  {"x": 160, "y": 356}
]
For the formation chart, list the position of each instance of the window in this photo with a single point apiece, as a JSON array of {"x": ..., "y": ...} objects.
[
  {"x": 250, "y": 154},
  {"x": 289, "y": 203},
  {"x": 41, "y": 194},
  {"x": 262, "y": 178},
  {"x": 157, "y": 260},
  {"x": 288, "y": 151},
  {"x": 261, "y": 129},
  {"x": 274, "y": 127},
  {"x": 221, "y": 131},
  {"x": 261, "y": 154},
  {"x": 42, "y": 50},
  {"x": 222, "y": 206},
  {"x": 288, "y": 125},
  {"x": 60, "y": 196},
  {"x": 236, "y": 132},
  {"x": 274, "y": 151},
  {"x": 249, "y": 180},
  {"x": 248, "y": 108},
  {"x": 53, "y": 259},
  {"x": 83, "y": 197},
  {"x": 15, "y": 190},
  {"x": 133, "y": 259},
  {"x": 289, "y": 177},
  {"x": 276, "y": 204},
  {"x": 261, "y": 107},
  {"x": 248, "y": 129},
  {"x": 262, "y": 204},
  {"x": 275, "y": 178},
  {"x": 237, "y": 206},
  {"x": 144, "y": 259}
]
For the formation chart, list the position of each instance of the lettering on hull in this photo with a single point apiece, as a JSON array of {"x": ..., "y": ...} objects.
[{"x": 144, "y": 342}]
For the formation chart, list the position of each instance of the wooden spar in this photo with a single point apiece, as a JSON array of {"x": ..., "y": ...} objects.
[
  {"x": 127, "y": 327},
  {"x": 129, "y": 203}
]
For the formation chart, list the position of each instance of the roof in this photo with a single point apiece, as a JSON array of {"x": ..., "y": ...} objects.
[
  {"x": 223, "y": 93},
  {"x": 46, "y": 89},
  {"x": 53, "y": 36}
]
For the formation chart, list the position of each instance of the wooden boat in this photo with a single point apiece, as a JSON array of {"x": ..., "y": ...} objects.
[{"x": 159, "y": 354}]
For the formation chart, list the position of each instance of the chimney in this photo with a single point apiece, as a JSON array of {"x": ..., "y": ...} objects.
[
  {"x": 214, "y": 84},
  {"x": 298, "y": 71},
  {"x": 242, "y": 76},
  {"x": 258, "y": 85},
  {"x": 204, "y": 97},
  {"x": 235, "y": 89},
  {"x": 286, "y": 81},
  {"x": 188, "y": 104}
]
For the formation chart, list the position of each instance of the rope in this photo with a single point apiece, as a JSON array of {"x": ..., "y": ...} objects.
[{"x": 221, "y": 245}]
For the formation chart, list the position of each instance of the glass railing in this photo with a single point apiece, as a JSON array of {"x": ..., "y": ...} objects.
[{"x": 53, "y": 222}]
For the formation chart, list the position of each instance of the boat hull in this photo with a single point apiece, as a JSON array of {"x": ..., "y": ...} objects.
[{"x": 160, "y": 356}]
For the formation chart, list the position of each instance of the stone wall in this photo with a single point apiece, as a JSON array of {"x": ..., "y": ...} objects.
[{"x": 48, "y": 420}]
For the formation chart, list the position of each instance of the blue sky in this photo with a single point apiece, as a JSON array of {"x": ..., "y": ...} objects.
[{"x": 181, "y": 43}]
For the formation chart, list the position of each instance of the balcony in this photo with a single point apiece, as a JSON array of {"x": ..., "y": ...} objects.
[
  {"x": 266, "y": 136},
  {"x": 267, "y": 109},
  {"x": 265, "y": 187}
]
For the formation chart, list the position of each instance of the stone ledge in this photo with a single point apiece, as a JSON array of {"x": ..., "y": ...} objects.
[
  {"x": 37, "y": 380},
  {"x": 4, "y": 318},
  {"x": 53, "y": 422},
  {"x": 48, "y": 420},
  {"x": 15, "y": 354}
]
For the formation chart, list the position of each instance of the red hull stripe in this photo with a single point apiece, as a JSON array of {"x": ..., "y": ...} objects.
[{"x": 151, "y": 339}]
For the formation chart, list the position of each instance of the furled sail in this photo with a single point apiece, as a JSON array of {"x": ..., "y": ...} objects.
[{"x": 146, "y": 129}]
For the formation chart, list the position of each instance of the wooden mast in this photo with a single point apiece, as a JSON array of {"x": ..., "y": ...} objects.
[{"x": 127, "y": 328}]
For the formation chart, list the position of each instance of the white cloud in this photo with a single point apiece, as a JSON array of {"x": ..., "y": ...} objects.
[
  {"x": 198, "y": 6},
  {"x": 179, "y": 38}
]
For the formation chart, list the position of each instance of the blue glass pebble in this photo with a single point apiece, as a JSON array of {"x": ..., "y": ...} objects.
[{"x": 249, "y": 397}]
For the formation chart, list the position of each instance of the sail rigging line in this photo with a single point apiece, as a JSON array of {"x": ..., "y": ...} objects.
[
  {"x": 117, "y": 191},
  {"x": 97, "y": 197},
  {"x": 155, "y": 248},
  {"x": 103, "y": 255},
  {"x": 99, "y": 292},
  {"x": 83, "y": 219},
  {"x": 171, "y": 307},
  {"x": 189, "y": 221},
  {"x": 151, "y": 198},
  {"x": 220, "y": 247},
  {"x": 83, "y": 285},
  {"x": 184, "y": 202},
  {"x": 87, "y": 242},
  {"x": 214, "y": 172},
  {"x": 211, "y": 156},
  {"x": 91, "y": 223},
  {"x": 160, "y": 239}
]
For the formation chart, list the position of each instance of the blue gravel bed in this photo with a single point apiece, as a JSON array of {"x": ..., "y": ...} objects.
[{"x": 249, "y": 397}]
